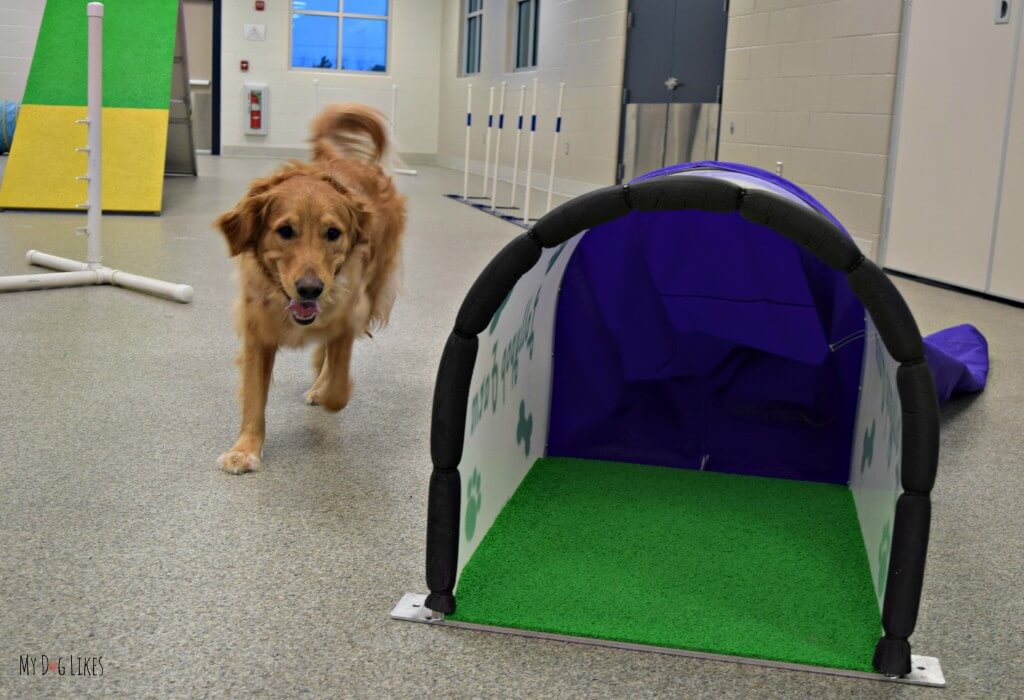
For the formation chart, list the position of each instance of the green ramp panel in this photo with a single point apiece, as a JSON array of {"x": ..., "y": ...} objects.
[
  {"x": 138, "y": 51},
  {"x": 738, "y": 565}
]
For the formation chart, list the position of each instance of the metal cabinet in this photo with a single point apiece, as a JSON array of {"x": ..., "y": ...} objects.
[
  {"x": 956, "y": 213},
  {"x": 1006, "y": 277}
]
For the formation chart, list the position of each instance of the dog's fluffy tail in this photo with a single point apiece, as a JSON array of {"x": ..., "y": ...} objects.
[{"x": 352, "y": 131}]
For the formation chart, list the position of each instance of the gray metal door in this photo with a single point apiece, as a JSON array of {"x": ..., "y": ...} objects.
[
  {"x": 649, "y": 50},
  {"x": 675, "y": 57}
]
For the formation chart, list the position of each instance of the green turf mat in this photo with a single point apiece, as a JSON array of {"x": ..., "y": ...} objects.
[
  {"x": 138, "y": 54},
  {"x": 739, "y": 565}
]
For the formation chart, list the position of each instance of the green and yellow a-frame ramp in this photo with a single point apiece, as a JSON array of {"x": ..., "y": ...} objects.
[{"x": 142, "y": 52}]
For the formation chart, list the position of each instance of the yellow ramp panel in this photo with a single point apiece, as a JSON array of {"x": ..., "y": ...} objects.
[
  {"x": 43, "y": 163},
  {"x": 134, "y": 149}
]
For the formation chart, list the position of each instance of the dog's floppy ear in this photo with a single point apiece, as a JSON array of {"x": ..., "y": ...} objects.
[{"x": 242, "y": 225}]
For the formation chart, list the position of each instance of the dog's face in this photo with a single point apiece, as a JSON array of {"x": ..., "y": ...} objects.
[{"x": 302, "y": 225}]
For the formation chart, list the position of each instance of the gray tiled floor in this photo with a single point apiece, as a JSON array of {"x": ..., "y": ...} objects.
[{"x": 119, "y": 537}]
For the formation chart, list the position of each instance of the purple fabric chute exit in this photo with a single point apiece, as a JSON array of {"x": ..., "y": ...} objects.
[
  {"x": 701, "y": 340},
  {"x": 958, "y": 358}
]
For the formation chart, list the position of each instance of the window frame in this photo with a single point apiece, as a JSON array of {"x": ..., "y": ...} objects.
[
  {"x": 340, "y": 15},
  {"x": 464, "y": 39},
  {"x": 534, "y": 34}
]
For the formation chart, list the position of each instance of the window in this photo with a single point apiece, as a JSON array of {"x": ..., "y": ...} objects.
[
  {"x": 527, "y": 16},
  {"x": 346, "y": 34},
  {"x": 472, "y": 28}
]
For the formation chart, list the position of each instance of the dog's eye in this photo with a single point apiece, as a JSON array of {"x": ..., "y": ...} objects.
[
  {"x": 333, "y": 234},
  {"x": 286, "y": 232}
]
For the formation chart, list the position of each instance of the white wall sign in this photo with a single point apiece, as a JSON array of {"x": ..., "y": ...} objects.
[{"x": 255, "y": 32}]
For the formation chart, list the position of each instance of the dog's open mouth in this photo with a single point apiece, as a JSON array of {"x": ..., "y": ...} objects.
[{"x": 303, "y": 312}]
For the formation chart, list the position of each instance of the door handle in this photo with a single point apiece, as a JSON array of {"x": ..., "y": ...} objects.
[{"x": 672, "y": 83}]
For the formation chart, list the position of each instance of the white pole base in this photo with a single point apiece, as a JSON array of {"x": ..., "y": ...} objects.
[
  {"x": 404, "y": 171},
  {"x": 76, "y": 274},
  {"x": 148, "y": 285},
  {"x": 52, "y": 280}
]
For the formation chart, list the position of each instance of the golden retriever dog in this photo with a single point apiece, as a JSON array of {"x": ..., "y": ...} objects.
[{"x": 318, "y": 247}]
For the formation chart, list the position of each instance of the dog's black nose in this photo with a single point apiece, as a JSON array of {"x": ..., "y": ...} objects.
[{"x": 309, "y": 287}]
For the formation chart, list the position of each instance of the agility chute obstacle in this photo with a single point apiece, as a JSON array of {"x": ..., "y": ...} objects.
[{"x": 706, "y": 426}]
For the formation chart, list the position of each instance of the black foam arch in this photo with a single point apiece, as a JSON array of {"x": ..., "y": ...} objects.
[
  {"x": 495, "y": 283},
  {"x": 800, "y": 224},
  {"x": 451, "y": 395}
]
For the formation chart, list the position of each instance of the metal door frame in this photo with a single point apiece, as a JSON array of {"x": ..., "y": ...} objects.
[{"x": 215, "y": 77}]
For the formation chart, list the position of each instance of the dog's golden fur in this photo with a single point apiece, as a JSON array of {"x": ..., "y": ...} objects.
[{"x": 336, "y": 222}]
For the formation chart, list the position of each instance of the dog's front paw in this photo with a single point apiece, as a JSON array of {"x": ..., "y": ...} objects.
[
  {"x": 330, "y": 402},
  {"x": 237, "y": 462}
]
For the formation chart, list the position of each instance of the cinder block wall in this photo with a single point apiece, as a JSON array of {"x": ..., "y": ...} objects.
[{"x": 811, "y": 83}]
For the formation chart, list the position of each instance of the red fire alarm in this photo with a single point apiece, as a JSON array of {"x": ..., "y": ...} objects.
[
  {"x": 244, "y": 65},
  {"x": 260, "y": 5}
]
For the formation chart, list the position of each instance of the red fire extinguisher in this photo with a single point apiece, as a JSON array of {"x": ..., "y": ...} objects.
[{"x": 255, "y": 111}]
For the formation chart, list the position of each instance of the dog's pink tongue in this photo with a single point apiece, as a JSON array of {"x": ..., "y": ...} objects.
[{"x": 304, "y": 309}]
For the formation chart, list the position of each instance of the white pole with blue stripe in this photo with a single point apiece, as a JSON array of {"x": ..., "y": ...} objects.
[
  {"x": 515, "y": 160},
  {"x": 497, "y": 147},
  {"x": 554, "y": 144},
  {"x": 529, "y": 153},
  {"x": 469, "y": 128},
  {"x": 487, "y": 141}
]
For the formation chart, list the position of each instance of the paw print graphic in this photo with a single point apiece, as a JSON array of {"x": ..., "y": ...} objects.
[
  {"x": 524, "y": 429},
  {"x": 868, "y": 453},
  {"x": 473, "y": 500}
]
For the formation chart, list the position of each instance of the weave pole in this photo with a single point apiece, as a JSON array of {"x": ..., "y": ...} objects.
[
  {"x": 497, "y": 147},
  {"x": 515, "y": 160},
  {"x": 529, "y": 153},
  {"x": 487, "y": 139},
  {"x": 469, "y": 128},
  {"x": 554, "y": 144}
]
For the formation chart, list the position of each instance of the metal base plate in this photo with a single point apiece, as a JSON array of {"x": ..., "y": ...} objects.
[{"x": 925, "y": 670}]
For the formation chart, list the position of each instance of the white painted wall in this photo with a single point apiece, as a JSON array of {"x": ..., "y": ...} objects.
[
  {"x": 19, "y": 26},
  {"x": 415, "y": 36},
  {"x": 581, "y": 42}
]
